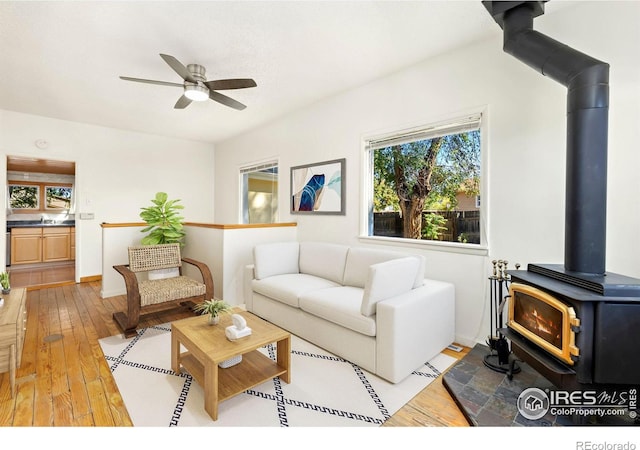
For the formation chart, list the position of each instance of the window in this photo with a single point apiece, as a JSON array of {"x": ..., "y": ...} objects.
[
  {"x": 24, "y": 196},
  {"x": 424, "y": 183},
  {"x": 260, "y": 193},
  {"x": 57, "y": 197},
  {"x": 33, "y": 196}
]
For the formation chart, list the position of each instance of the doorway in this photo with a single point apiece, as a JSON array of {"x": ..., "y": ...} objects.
[{"x": 40, "y": 238}]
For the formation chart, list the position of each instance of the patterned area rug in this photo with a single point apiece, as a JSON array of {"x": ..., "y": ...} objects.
[{"x": 325, "y": 390}]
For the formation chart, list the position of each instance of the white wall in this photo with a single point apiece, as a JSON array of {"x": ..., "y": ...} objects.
[
  {"x": 226, "y": 251},
  {"x": 117, "y": 173},
  {"x": 525, "y": 153}
]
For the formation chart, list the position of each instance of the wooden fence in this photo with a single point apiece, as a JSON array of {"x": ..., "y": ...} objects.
[{"x": 463, "y": 225}]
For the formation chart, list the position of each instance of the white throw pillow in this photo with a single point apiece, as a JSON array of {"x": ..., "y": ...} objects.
[
  {"x": 161, "y": 274},
  {"x": 323, "y": 260},
  {"x": 388, "y": 279},
  {"x": 275, "y": 259}
]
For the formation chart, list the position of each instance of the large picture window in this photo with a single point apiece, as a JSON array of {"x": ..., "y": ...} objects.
[{"x": 425, "y": 183}]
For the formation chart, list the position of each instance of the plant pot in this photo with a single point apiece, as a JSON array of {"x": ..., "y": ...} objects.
[
  {"x": 214, "y": 320},
  {"x": 6, "y": 291}
]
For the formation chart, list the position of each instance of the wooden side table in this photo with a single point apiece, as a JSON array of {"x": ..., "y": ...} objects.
[{"x": 13, "y": 323}]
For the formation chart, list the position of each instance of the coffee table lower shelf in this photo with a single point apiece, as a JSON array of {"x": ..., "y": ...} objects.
[{"x": 254, "y": 369}]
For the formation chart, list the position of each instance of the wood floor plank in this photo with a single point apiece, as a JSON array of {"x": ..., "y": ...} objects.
[
  {"x": 24, "y": 405},
  {"x": 30, "y": 348},
  {"x": 7, "y": 408},
  {"x": 99, "y": 405},
  {"x": 68, "y": 382},
  {"x": 62, "y": 409},
  {"x": 43, "y": 404}
]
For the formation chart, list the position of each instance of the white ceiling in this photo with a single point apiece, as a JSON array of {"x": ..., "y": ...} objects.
[{"x": 62, "y": 59}]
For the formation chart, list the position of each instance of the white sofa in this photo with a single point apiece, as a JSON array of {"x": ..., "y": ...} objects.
[{"x": 372, "y": 307}]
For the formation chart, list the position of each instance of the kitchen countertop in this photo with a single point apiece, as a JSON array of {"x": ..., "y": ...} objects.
[{"x": 39, "y": 224}]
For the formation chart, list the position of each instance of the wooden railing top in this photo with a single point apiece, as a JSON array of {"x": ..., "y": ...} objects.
[{"x": 233, "y": 226}]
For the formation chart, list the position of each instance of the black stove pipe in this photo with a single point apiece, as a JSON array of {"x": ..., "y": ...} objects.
[{"x": 587, "y": 80}]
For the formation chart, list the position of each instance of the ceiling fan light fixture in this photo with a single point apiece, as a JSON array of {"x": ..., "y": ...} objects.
[
  {"x": 196, "y": 88},
  {"x": 196, "y": 92}
]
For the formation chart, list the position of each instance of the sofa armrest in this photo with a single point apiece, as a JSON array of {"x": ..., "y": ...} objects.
[{"x": 412, "y": 328}]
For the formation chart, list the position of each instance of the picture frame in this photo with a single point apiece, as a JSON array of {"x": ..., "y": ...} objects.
[{"x": 318, "y": 188}]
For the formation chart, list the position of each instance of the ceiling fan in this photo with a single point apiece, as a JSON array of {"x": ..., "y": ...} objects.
[{"x": 196, "y": 87}]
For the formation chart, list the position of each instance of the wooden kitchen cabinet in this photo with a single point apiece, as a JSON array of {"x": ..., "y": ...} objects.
[
  {"x": 26, "y": 245},
  {"x": 13, "y": 323},
  {"x": 41, "y": 244},
  {"x": 56, "y": 244},
  {"x": 72, "y": 244}
]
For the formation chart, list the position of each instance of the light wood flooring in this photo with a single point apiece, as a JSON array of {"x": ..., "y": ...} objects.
[
  {"x": 64, "y": 379},
  {"x": 42, "y": 275}
]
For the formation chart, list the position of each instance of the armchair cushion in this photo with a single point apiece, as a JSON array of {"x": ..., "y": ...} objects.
[{"x": 168, "y": 289}]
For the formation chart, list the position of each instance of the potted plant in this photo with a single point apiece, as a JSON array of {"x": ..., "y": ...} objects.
[
  {"x": 214, "y": 308},
  {"x": 4, "y": 282},
  {"x": 164, "y": 221}
]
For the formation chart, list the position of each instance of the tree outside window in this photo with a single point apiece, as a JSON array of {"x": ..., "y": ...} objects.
[
  {"x": 426, "y": 184},
  {"x": 58, "y": 197},
  {"x": 24, "y": 196}
]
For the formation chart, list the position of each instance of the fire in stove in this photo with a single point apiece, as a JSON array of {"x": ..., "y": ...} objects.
[
  {"x": 539, "y": 318},
  {"x": 544, "y": 320}
]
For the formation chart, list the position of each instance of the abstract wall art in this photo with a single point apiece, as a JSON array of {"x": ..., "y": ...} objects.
[{"x": 318, "y": 188}]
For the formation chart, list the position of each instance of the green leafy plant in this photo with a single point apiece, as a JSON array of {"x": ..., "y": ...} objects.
[
  {"x": 4, "y": 280},
  {"x": 213, "y": 307},
  {"x": 433, "y": 225},
  {"x": 164, "y": 220}
]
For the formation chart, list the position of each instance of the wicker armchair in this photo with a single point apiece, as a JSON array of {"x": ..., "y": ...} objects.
[{"x": 153, "y": 295}]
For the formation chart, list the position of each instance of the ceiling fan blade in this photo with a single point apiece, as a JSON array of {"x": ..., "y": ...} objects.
[
  {"x": 228, "y": 101},
  {"x": 179, "y": 68},
  {"x": 182, "y": 103},
  {"x": 142, "y": 80},
  {"x": 235, "y": 83}
]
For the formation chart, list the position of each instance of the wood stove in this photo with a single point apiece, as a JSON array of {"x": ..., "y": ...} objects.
[
  {"x": 593, "y": 316},
  {"x": 595, "y": 338}
]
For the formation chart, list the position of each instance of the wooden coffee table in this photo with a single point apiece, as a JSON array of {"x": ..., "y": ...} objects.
[{"x": 207, "y": 346}]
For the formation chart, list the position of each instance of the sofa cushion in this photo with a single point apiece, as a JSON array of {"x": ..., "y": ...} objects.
[
  {"x": 359, "y": 259},
  {"x": 340, "y": 305},
  {"x": 388, "y": 279},
  {"x": 323, "y": 260},
  {"x": 288, "y": 288},
  {"x": 275, "y": 259}
]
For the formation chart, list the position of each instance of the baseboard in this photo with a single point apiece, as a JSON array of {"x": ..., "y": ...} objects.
[
  {"x": 90, "y": 278},
  {"x": 112, "y": 293}
]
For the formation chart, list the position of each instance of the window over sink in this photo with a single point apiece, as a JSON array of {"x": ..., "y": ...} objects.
[
  {"x": 34, "y": 197},
  {"x": 58, "y": 197},
  {"x": 24, "y": 197}
]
